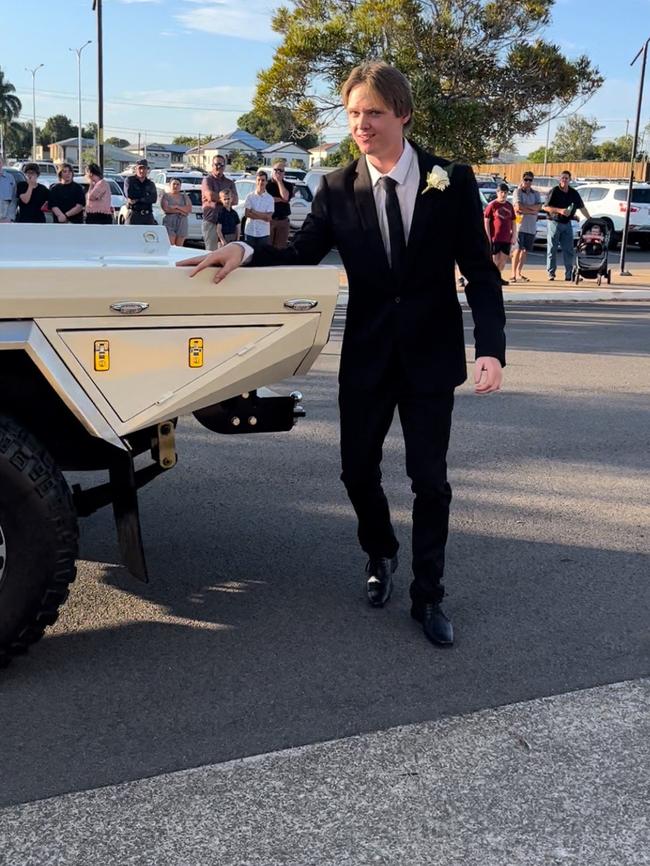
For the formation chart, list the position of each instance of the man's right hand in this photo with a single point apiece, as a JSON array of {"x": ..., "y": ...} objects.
[{"x": 226, "y": 259}]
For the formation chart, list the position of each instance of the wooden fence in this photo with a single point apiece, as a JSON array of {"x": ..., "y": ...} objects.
[{"x": 587, "y": 170}]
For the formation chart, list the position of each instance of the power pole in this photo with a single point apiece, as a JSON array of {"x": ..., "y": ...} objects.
[
  {"x": 78, "y": 51},
  {"x": 97, "y": 7},
  {"x": 626, "y": 226},
  {"x": 34, "y": 71}
]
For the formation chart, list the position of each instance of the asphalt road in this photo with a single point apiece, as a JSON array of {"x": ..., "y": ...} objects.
[{"x": 254, "y": 634}]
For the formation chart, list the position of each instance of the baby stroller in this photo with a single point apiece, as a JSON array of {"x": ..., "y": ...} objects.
[{"x": 591, "y": 252}]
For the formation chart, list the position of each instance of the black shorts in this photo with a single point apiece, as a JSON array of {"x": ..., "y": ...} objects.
[
  {"x": 525, "y": 241},
  {"x": 501, "y": 247}
]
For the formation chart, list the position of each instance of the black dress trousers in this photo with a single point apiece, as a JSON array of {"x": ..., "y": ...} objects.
[{"x": 366, "y": 417}]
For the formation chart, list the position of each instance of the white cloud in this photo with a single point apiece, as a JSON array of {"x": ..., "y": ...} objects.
[
  {"x": 223, "y": 19},
  {"x": 219, "y": 97}
]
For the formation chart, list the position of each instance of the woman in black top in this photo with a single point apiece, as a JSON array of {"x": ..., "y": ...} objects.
[
  {"x": 67, "y": 198},
  {"x": 32, "y": 195}
]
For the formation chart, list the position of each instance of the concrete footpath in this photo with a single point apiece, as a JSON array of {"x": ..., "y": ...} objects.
[
  {"x": 540, "y": 288},
  {"x": 557, "y": 780}
]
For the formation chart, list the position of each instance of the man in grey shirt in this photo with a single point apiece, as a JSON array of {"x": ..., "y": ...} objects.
[
  {"x": 526, "y": 202},
  {"x": 7, "y": 195}
]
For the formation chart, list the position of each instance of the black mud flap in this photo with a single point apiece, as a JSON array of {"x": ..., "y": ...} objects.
[
  {"x": 252, "y": 413},
  {"x": 124, "y": 492}
]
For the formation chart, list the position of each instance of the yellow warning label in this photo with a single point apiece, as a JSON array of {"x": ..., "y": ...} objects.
[
  {"x": 196, "y": 351},
  {"x": 102, "y": 356}
]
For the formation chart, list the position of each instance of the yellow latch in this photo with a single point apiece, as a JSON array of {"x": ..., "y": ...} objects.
[
  {"x": 102, "y": 356},
  {"x": 196, "y": 352}
]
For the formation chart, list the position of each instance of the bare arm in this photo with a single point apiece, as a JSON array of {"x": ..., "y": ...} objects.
[
  {"x": 258, "y": 215},
  {"x": 26, "y": 196}
]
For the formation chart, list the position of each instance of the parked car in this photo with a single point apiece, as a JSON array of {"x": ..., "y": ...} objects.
[
  {"x": 47, "y": 169},
  {"x": 117, "y": 196},
  {"x": 314, "y": 177},
  {"x": 161, "y": 176},
  {"x": 608, "y": 201},
  {"x": 194, "y": 219},
  {"x": 541, "y": 233},
  {"x": 300, "y": 205}
]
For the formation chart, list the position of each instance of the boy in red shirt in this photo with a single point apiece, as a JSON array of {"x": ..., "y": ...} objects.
[{"x": 499, "y": 219}]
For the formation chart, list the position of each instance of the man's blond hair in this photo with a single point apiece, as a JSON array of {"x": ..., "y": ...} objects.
[{"x": 384, "y": 81}]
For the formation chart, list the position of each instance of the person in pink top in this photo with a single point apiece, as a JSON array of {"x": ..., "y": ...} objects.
[{"x": 98, "y": 198}]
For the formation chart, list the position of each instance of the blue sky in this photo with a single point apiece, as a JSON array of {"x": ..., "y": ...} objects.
[{"x": 189, "y": 66}]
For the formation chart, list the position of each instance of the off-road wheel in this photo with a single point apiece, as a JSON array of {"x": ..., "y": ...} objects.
[{"x": 38, "y": 540}]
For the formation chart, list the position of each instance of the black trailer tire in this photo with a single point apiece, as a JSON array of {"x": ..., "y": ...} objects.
[{"x": 38, "y": 540}]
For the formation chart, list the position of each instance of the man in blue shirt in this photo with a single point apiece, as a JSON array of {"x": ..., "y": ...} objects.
[{"x": 7, "y": 194}]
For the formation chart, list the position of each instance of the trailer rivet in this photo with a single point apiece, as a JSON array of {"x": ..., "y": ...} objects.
[
  {"x": 235, "y": 421},
  {"x": 252, "y": 420}
]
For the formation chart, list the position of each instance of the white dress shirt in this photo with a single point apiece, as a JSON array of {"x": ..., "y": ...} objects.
[{"x": 407, "y": 175}]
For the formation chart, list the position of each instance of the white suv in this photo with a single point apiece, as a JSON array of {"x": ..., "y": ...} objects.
[
  {"x": 608, "y": 201},
  {"x": 161, "y": 176}
]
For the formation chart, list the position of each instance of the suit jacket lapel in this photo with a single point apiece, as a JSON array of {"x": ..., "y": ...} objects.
[
  {"x": 421, "y": 222},
  {"x": 367, "y": 210}
]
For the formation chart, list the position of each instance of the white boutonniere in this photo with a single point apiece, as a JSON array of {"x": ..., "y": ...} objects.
[{"x": 438, "y": 178}]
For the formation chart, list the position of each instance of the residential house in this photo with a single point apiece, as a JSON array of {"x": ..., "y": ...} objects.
[
  {"x": 286, "y": 150},
  {"x": 159, "y": 155},
  {"x": 320, "y": 152},
  {"x": 227, "y": 146},
  {"x": 67, "y": 151}
]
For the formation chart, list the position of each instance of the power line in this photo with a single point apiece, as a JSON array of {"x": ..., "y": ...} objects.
[{"x": 113, "y": 101}]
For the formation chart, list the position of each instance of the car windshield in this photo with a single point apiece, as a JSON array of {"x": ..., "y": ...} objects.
[
  {"x": 194, "y": 195},
  {"x": 194, "y": 180},
  {"x": 639, "y": 196}
]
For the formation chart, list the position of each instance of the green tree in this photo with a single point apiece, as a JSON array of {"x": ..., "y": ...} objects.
[
  {"x": 57, "y": 128},
  {"x": 275, "y": 124},
  {"x": 10, "y": 104},
  {"x": 18, "y": 139},
  {"x": 297, "y": 163},
  {"x": 238, "y": 160},
  {"x": 117, "y": 142},
  {"x": 540, "y": 154},
  {"x": 574, "y": 139},
  {"x": 89, "y": 131},
  {"x": 615, "y": 149},
  {"x": 87, "y": 156},
  {"x": 480, "y": 71},
  {"x": 347, "y": 151}
]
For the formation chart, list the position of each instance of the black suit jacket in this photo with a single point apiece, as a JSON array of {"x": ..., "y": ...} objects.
[{"x": 413, "y": 325}]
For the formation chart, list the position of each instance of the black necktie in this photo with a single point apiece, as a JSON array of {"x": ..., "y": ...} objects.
[{"x": 395, "y": 226}]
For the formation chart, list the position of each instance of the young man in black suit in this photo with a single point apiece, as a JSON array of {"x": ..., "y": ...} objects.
[{"x": 400, "y": 219}]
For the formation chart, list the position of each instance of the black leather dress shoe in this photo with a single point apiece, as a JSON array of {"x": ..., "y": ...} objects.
[
  {"x": 435, "y": 624},
  {"x": 380, "y": 570}
]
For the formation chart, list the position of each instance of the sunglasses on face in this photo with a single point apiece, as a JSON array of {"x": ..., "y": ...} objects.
[{"x": 528, "y": 180}]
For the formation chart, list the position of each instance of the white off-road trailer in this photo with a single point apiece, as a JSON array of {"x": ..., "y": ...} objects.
[{"x": 104, "y": 343}]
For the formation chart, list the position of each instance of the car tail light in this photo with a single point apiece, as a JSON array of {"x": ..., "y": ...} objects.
[{"x": 623, "y": 207}]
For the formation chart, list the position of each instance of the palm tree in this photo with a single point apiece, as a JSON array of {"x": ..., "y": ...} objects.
[{"x": 10, "y": 105}]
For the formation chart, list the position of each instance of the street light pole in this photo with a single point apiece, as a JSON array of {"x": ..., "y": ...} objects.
[
  {"x": 78, "y": 51},
  {"x": 97, "y": 7},
  {"x": 34, "y": 71},
  {"x": 548, "y": 135},
  {"x": 635, "y": 140}
]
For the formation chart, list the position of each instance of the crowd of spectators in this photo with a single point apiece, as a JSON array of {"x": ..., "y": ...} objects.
[{"x": 266, "y": 211}]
